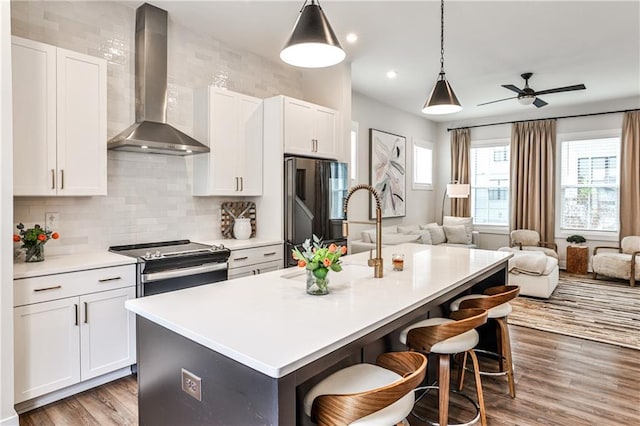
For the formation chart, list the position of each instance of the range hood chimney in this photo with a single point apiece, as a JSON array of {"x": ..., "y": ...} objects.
[{"x": 151, "y": 133}]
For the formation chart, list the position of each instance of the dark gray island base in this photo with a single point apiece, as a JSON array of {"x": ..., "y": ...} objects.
[{"x": 234, "y": 394}]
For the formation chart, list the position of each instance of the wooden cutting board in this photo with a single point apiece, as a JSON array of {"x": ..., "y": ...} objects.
[{"x": 230, "y": 210}]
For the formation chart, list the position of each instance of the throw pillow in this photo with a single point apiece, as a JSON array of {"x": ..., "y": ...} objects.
[
  {"x": 437, "y": 235},
  {"x": 466, "y": 221},
  {"x": 425, "y": 235},
  {"x": 428, "y": 225},
  {"x": 456, "y": 234},
  {"x": 409, "y": 229}
]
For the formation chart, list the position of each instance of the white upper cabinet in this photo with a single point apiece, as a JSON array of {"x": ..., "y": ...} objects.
[
  {"x": 59, "y": 121},
  {"x": 230, "y": 124},
  {"x": 309, "y": 129}
]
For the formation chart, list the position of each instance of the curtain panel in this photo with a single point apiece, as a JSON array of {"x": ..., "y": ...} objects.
[
  {"x": 630, "y": 175},
  {"x": 532, "y": 204},
  {"x": 460, "y": 169}
]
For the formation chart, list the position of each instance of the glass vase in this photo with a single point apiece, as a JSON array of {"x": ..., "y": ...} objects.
[
  {"x": 34, "y": 253},
  {"x": 317, "y": 286}
]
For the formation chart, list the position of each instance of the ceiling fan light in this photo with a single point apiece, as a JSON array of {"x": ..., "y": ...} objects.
[
  {"x": 526, "y": 100},
  {"x": 442, "y": 99},
  {"x": 312, "y": 43}
]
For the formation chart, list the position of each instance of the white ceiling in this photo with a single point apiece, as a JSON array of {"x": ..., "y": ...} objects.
[{"x": 486, "y": 44}]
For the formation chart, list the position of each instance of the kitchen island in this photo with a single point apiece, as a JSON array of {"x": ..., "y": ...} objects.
[{"x": 259, "y": 342}]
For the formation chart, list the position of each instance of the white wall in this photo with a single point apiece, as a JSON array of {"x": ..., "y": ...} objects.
[
  {"x": 8, "y": 415},
  {"x": 149, "y": 195},
  {"x": 493, "y": 240},
  {"x": 369, "y": 113}
]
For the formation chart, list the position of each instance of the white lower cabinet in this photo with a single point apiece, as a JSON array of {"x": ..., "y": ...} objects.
[
  {"x": 254, "y": 261},
  {"x": 64, "y": 341}
]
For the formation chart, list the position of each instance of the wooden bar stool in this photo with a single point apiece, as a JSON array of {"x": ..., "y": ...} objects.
[
  {"x": 367, "y": 394},
  {"x": 495, "y": 301},
  {"x": 446, "y": 337}
]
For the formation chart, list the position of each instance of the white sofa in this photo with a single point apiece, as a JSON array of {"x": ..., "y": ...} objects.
[
  {"x": 455, "y": 231},
  {"x": 536, "y": 273}
]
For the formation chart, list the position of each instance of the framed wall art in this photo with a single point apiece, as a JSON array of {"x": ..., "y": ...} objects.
[{"x": 387, "y": 171}]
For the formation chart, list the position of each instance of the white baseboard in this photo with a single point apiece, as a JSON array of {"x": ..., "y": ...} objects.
[
  {"x": 40, "y": 401},
  {"x": 10, "y": 421}
]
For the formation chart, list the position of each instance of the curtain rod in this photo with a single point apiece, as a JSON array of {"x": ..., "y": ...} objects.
[{"x": 542, "y": 119}]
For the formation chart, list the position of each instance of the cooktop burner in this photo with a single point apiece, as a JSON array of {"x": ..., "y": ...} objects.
[{"x": 167, "y": 250}]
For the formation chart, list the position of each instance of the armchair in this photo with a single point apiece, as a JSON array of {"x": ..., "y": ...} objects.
[
  {"x": 624, "y": 263},
  {"x": 526, "y": 239}
]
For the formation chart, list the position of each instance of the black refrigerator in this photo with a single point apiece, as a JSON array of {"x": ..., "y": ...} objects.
[{"x": 314, "y": 193}]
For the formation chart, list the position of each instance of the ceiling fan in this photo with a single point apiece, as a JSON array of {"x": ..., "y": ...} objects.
[{"x": 528, "y": 96}]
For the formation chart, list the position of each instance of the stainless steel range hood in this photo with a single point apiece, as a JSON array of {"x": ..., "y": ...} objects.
[{"x": 151, "y": 133}]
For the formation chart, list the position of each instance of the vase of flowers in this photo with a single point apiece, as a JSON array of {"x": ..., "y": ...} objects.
[
  {"x": 33, "y": 240},
  {"x": 318, "y": 259}
]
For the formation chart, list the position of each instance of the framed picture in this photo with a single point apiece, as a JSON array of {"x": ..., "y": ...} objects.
[{"x": 387, "y": 171}]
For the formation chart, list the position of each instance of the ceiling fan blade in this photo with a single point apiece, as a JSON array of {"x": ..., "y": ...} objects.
[
  {"x": 561, "y": 89},
  {"x": 539, "y": 103},
  {"x": 512, "y": 87},
  {"x": 499, "y": 100}
]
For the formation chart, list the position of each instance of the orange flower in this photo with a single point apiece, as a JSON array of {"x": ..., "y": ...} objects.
[
  {"x": 302, "y": 263},
  {"x": 16, "y": 238},
  {"x": 343, "y": 250},
  {"x": 55, "y": 235},
  {"x": 42, "y": 237},
  {"x": 294, "y": 256},
  {"x": 333, "y": 248},
  {"x": 327, "y": 262}
]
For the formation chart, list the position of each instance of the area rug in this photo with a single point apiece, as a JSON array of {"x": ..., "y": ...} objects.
[{"x": 599, "y": 310}]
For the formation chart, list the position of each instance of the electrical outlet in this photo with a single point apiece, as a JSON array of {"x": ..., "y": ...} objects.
[
  {"x": 192, "y": 384},
  {"x": 51, "y": 220}
]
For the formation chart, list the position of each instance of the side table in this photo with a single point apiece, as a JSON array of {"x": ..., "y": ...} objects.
[{"x": 577, "y": 259}]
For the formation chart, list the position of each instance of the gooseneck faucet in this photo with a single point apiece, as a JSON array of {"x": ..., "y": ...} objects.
[{"x": 377, "y": 261}]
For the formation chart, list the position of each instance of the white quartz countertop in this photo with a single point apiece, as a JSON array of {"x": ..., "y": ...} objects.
[
  {"x": 234, "y": 244},
  {"x": 269, "y": 323},
  {"x": 70, "y": 263}
]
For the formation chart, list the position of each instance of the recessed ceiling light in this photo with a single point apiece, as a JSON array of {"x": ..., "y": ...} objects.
[
  {"x": 352, "y": 37},
  {"x": 392, "y": 74}
]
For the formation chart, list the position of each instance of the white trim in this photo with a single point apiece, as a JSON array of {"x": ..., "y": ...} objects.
[
  {"x": 353, "y": 152},
  {"x": 10, "y": 421},
  {"x": 491, "y": 229},
  {"x": 416, "y": 142}
]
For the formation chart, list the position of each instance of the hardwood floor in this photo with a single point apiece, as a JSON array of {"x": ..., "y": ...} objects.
[{"x": 560, "y": 380}]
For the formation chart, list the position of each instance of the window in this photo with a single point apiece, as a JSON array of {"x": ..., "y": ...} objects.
[
  {"x": 422, "y": 165},
  {"x": 490, "y": 183},
  {"x": 589, "y": 185}
]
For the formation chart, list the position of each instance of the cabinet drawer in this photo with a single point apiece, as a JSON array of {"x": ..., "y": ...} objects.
[
  {"x": 261, "y": 268},
  {"x": 51, "y": 287},
  {"x": 256, "y": 255}
]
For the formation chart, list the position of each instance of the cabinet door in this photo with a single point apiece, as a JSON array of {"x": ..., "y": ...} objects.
[
  {"x": 46, "y": 347},
  {"x": 223, "y": 143},
  {"x": 298, "y": 127},
  {"x": 34, "y": 117},
  {"x": 324, "y": 121},
  {"x": 81, "y": 124},
  {"x": 107, "y": 332},
  {"x": 249, "y": 162}
]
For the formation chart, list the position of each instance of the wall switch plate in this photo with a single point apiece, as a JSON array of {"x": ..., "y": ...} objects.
[
  {"x": 51, "y": 220},
  {"x": 192, "y": 384}
]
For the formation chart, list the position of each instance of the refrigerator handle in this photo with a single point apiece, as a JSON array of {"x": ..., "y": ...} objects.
[{"x": 289, "y": 198}]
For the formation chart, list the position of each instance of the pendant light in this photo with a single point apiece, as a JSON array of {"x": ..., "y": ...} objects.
[
  {"x": 442, "y": 100},
  {"x": 312, "y": 43}
]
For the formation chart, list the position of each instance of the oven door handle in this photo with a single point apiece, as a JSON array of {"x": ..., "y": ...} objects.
[{"x": 183, "y": 272}]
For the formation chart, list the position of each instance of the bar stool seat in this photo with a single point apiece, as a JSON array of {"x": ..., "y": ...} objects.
[
  {"x": 367, "y": 394},
  {"x": 453, "y": 345},
  {"x": 499, "y": 311}
]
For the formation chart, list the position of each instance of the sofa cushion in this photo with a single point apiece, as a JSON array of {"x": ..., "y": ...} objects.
[
  {"x": 467, "y": 222},
  {"x": 456, "y": 234},
  {"x": 428, "y": 225},
  {"x": 408, "y": 229},
  {"x": 369, "y": 236},
  {"x": 437, "y": 235},
  {"x": 425, "y": 236},
  {"x": 393, "y": 239}
]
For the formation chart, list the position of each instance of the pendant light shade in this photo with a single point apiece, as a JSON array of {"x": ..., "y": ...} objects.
[
  {"x": 442, "y": 99},
  {"x": 312, "y": 43}
]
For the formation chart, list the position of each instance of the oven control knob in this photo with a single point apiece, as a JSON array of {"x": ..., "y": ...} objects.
[
  {"x": 147, "y": 255},
  {"x": 221, "y": 247},
  {"x": 158, "y": 254}
]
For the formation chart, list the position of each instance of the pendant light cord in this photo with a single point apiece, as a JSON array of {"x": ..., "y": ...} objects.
[{"x": 442, "y": 38}]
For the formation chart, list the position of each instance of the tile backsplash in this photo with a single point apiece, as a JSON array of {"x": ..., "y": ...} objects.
[{"x": 149, "y": 195}]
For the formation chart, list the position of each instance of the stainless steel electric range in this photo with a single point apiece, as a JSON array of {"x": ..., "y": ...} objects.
[{"x": 174, "y": 265}]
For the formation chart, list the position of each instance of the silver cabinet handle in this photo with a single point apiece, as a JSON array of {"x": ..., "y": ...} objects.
[
  {"x": 53, "y": 179},
  {"x": 237, "y": 184},
  {"x": 258, "y": 271},
  {"x": 55, "y": 287},
  {"x": 270, "y": 253},
  {"x": 104, "y": 280},
  {"x": 241, "y": 258},
  {"x": 61, "y": 179},
  {"x": 241, "y": 183},
  {"x": 76, "y": 311},
  {"x": 86, "y": 313},
  {"x": 183, "y": 272}
]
